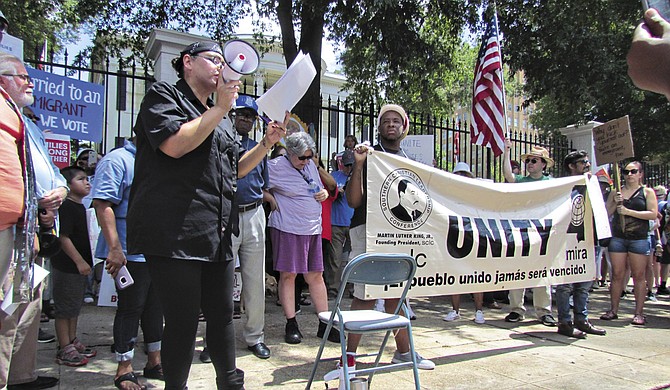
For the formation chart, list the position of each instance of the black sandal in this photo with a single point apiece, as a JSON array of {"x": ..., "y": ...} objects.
[
  {"x": 128, "y": 377},
  {"x": 155, "y": 372}
]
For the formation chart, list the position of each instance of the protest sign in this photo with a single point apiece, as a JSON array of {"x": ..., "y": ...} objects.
[
  {"x": 59, "y": 149},
  {"x": 612, "y": 141},
  {"x": 472, "y": 235},
  {"x": 68, "y": 106},
  {"x": 12, "y": 45},
  {"x": 419, "y": 148}
]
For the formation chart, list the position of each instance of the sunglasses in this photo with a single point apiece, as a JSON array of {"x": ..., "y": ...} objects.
[
  {"x": 533, "y": 160},
  {"x": 584, "y": 161},
  {"x": 303, "y": 158},
  {"x": 630, "y": 172},
  {"x": 214, "y": 60}
]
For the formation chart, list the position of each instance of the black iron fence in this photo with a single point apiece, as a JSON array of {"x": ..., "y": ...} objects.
[{"x": 126, "y": 83}]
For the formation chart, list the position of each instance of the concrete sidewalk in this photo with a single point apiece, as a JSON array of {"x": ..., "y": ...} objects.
[{"x": 495, "y": 355}]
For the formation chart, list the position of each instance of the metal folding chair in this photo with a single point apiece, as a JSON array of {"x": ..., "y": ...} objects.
[{"x": 372, "y": 269}]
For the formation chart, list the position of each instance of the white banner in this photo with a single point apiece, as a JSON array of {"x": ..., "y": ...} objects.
[{"x": 471, "y": 235}]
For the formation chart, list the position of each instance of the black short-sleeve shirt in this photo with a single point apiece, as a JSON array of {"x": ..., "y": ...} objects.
[
  {"x": 181, "y": 207},
  {"x": 73, "y": 224}
]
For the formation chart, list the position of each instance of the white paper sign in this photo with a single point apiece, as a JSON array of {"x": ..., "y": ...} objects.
[{"x": 289, "y": 89}]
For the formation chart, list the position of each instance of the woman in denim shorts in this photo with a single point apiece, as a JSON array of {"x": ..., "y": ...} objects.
[{"x": 632, "y": 209}]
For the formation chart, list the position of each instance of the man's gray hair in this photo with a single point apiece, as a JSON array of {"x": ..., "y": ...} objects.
[
  {"x": 298, "y": 143},
  {"x": 8, "y": 63}
]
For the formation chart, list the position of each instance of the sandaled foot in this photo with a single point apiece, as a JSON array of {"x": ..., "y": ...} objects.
[
  {"x": 609, "y": 315},
  {"x": 128, "y": 381},
  {"x": 155, "y": 372},
  {"x": 639, "y": 319}
]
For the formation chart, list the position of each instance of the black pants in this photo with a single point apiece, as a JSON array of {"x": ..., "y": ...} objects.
[
  {"x": 184, "y": 287},
  {"x": 138, "y": 302}
]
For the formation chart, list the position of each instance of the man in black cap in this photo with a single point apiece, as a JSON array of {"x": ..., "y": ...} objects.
[{"x": 182, "y": 213}]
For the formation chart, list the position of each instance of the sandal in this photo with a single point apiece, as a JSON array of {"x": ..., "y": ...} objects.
[
  {"x": 609, "y": 315},
  {"x": 639, "y": 319},
  {"x": 155, "y": 372},
  {"x": 128, "y": 377}
]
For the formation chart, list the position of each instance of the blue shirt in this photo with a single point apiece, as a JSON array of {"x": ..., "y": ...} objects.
[
  {"x": 114, "y": 176},
  {"x": 341, "y": 213},
  {"x": 250, "y": 187}
]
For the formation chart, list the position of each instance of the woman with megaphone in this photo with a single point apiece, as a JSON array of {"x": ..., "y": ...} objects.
[{"x": 181, "y": 214}]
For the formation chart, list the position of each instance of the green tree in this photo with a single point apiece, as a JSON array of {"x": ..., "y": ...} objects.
[
  {"x": 404, "y": 51},
  {"x": 40, "y": 21},
  {"x": 573, "y": 55}
]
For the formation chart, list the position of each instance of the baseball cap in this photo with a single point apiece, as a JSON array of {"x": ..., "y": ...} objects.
[{"x": 246, "y": 102}]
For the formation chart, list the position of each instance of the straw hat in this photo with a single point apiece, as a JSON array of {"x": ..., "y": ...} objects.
[{"x": 539, "y": 151}]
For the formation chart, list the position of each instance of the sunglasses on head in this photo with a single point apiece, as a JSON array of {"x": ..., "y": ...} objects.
[
  {"x": 303, "y": 158},
  {"x": 631, "y": 171},
  {"x": 533, "y": 160}
]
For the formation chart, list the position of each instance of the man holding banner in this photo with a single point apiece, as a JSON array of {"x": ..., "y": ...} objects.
[
  {"x": 392, "y": 127},
  {"x": 577, "y": 163},
  {"x": 536, "y": 162}
]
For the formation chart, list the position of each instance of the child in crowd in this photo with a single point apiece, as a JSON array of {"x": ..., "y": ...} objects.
[{"x": 70, "y": 268}]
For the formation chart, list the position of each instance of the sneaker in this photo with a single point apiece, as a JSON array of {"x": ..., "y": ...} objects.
[
  {"x": 514, "y": 317},
  {"x": 548, "y": 320},
  {"x": 44, "y": 337},
  {"x": 337, "y": 372},
  {"x": 421, "y": 363},
  {"x": 83, "y": 350},
  {"x": 662, "y": 290},
  {"x": 69, "y": 356},
  {"x": 651, "y": 297},
  {"x": 452, "y": 316},
  {"x": 479, "y": 317},
  {"x": 88, "y": 299}
]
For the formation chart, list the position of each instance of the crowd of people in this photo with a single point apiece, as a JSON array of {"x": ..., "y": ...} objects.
[{"x": 183, "y": 204}]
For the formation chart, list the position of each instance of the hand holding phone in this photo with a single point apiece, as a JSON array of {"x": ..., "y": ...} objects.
[{"x": 123, "y": 278}]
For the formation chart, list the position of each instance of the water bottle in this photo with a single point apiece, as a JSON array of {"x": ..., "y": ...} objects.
[{"x": 313, "y": 187}]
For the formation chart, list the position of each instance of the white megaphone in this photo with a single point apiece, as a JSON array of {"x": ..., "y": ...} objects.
[{"x": 241, "y": 59}]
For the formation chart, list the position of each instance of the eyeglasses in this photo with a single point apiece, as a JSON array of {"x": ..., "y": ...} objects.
[
  {"x": 303, "y": 158},
  {"x": 26, "y": 78},
  {"x": 630, "y": 172},
  {"x": 214, "y": 60},
  {"x": 584, "y": 161},
  {"x": 532, "y": 160}
]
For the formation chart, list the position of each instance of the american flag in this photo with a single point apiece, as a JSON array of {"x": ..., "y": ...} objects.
[
  {"x": 487, "y": 126},
  {"x": 43, "y": 56}
]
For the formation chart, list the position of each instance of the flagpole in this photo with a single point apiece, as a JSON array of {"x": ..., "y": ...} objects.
[{"x": 502, "y": 70}]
